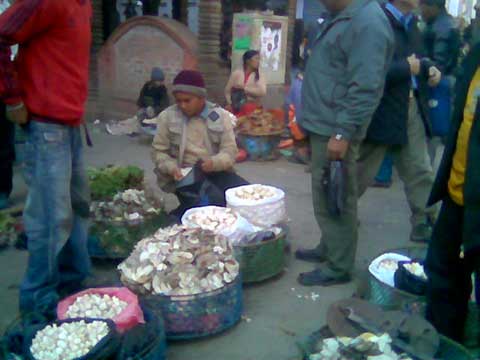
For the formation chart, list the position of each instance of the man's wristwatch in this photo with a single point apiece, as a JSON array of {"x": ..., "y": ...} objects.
[{"x": 339, "y": 137}]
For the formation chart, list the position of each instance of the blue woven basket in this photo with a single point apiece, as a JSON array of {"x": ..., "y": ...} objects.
[
  {"x": 260, "y": 147},
  {"x": 201, "y": 315}
]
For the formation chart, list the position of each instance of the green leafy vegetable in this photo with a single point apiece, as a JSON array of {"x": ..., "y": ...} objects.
[{"x": 108, "y": 181}]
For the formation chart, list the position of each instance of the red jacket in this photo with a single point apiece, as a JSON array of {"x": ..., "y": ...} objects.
[{"x": 50, "y": 74}]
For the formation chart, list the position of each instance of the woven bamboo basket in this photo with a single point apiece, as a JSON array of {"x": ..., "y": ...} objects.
[
  {"x": 201, "y": 315},
  {"x": 263, "y": 261}
]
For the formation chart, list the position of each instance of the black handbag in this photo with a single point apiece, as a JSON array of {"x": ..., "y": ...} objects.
[
  {"x": 239, "y": 98},
  {"x": 334, "y": 181},
  {"x": 195, "y": 190}
]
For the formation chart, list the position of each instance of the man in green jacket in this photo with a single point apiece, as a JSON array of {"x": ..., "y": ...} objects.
[{"x": 344, "y": 82}]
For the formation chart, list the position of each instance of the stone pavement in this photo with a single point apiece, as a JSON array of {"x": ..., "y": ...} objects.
[{"x": 277, "y": 314}]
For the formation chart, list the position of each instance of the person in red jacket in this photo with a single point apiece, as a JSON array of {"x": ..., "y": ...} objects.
[{"x": 45, "y": 90}]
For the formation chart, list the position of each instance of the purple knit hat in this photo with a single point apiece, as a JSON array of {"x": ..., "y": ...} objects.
[{"x": 190, "y": 81}]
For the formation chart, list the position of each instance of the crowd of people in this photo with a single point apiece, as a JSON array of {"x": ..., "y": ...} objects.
[{"x": 376, "y": 86}]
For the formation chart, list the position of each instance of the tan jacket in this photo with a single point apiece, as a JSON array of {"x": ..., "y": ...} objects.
[
  {"x": 209, "y": 135},
  {"x": 254, "y": 89}
]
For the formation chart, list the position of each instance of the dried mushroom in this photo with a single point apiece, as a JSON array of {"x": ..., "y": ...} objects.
[
  {"x": 213, "y": 218},
  {"x": 180, "y": 261},
  {"x": 365, "y": 347},
  {"x": 130, "y": 206}
]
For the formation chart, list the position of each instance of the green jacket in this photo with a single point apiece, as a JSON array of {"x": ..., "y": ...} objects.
[{"x": 346, "y": 71}]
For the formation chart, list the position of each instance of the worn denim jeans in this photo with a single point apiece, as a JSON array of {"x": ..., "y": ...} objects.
[{"x": 55, "y": 216}]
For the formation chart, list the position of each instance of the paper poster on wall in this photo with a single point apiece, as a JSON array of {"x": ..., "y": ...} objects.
[
  {"x": 271, "y": 45},
  {"x": 242, "y": 36}
]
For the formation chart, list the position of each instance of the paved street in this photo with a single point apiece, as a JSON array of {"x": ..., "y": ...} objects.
[{"x": 278, "y": 316}]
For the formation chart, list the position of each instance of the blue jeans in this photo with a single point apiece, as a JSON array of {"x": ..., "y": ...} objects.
[
  {"x": 386, "y": 169},
  {"x": 55, "y": 216}
]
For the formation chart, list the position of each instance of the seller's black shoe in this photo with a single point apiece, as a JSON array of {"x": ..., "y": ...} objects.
[
  {"x": 320, "y": 278},
  {"x": 421, "y": 233},
  {"x": 311, "y": 255}
]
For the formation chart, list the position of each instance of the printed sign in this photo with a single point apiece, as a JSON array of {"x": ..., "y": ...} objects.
[{"x": 242, "y": 36}]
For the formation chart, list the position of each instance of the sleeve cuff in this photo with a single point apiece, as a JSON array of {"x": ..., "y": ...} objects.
[
  {"x": 167, "y": 167},
  {"x": 346, "y": 132},
  {"x": 222, "y": 162}
]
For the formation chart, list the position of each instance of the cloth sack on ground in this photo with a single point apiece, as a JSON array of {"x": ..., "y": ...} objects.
[
  {"x": 264, "y": 213},
  {"x": 385, "y": 266},
  {"x": 127, "y": 319},
  {"x": 234, "y": 232},
  {"x": 125, "y": 127}
]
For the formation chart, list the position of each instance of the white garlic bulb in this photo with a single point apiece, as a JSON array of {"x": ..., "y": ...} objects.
[
  {"x": 67, "y": 341},
  {"x": 416, "y": 269},
  {"x": 96, "y": 306},
  {"x": 255, "y": 192}
]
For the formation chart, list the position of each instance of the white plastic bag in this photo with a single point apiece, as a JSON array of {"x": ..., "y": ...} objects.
[
  {"x": 235, "y": 230},
  {"x": 386, "y": 274},
  {"x": 263, "y": 213}
]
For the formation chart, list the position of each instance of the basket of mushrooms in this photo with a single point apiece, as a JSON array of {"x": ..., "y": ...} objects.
[
  {"x": 120, "y": 223},
  {"x": 189, "y": 276},
  {"x": 259, "y": 252}
]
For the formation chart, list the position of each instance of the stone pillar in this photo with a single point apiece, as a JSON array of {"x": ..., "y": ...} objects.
[
  {"x": 292, "y": 15},
  {"x": 210, "y": 64},
  {"x": 97, "y": 42}
]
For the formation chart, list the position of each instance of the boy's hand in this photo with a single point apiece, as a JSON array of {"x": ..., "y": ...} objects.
[
  {"x": 207, "y": 166},
  {"x": 150, "y": 112},
  {"x": 177, "y": 174}
]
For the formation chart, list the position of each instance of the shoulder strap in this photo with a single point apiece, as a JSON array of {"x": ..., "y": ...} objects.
[
  {"x": 208, "y": 141},
  {"x": 183, "y": 143}
]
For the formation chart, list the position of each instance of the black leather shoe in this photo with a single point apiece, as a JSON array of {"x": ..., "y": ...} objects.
[
  {"x": 310, "y": 255},
  {"x": 319, "y": 278}
]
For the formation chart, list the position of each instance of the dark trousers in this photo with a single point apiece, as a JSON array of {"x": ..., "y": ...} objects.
[
  {"x": 450, "y": 285},
  {"x": 7, "y": 152},
  {"x": 210, "y": 193}
]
